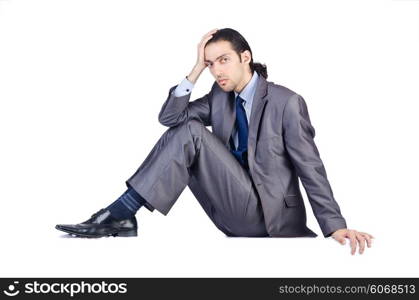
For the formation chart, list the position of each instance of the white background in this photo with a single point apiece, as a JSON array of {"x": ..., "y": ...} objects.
[{"x": 82, "y": 83}]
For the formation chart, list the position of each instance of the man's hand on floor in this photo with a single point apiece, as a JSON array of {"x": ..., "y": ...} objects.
[{"x": 355, "y": 238}]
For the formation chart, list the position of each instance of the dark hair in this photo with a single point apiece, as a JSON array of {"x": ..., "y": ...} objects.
[{"x": 239, "y": 44}]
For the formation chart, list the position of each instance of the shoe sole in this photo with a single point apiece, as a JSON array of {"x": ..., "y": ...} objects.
[{"x": 122, "y": 233}]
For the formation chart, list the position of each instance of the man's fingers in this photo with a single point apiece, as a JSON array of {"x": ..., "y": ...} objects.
[
  {"x": 204, "y": 41},
  {"x": 206, "y": 38},
  {"x": 355, "y": 237},
  {"x": 352, "y": 239},
  {"x": 367, "y": 234},
  {"x": 361, "y": 241},
  {"x": 209, "y": 33},
  {"x": 367, "y": 238},
  {"x": 212, "y": 31},
  {"x": 368, "y": 241}
]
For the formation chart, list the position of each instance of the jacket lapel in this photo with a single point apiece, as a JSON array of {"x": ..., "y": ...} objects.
[
  {"x": 259, "y": 102},
  {"x": 229, "y": 117}
]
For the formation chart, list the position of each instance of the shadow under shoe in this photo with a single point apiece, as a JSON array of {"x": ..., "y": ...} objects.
[{"x": 102, "y": 224}]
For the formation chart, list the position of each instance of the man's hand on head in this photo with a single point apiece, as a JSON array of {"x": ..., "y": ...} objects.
[
  {"x": 200, "y": 64},
  {"x": 355, "y": 238}
]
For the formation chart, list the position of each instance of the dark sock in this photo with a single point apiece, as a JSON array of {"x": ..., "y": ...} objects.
[{"x": 127, "y": 205}]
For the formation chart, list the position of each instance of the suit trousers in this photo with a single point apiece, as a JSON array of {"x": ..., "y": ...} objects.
[{"x": 190, "y": 155}]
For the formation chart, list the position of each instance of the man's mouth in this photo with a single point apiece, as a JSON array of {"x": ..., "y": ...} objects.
[{"x": 222, "y": 81}]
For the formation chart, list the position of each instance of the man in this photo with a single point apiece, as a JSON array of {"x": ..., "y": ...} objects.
[{"x": 245, "y": 172}]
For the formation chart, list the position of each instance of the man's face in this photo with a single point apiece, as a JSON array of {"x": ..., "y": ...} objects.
[{"x": 224, "y": 64}]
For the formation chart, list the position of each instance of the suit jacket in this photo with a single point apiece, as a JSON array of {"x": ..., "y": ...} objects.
[{"x": 280, "y": 149}]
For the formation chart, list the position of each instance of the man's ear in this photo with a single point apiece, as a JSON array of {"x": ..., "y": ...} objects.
[{"x": 246, "y": 56}]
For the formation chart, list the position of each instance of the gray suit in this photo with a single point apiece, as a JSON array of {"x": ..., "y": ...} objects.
[{"x": 266, "y": 201}]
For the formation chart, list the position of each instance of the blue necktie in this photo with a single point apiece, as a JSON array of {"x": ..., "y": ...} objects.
[{"x": 243, "y": 131}]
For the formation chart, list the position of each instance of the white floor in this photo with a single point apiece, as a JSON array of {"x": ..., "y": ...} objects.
[{"x": 185, "y": 243}]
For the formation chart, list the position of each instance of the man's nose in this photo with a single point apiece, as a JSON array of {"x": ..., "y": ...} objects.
[
  {"x": 217, "y": 71},
  {"x": 219, "y": 75}
]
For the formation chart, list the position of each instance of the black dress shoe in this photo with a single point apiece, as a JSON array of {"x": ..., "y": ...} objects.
[{"x": 102, "y": 224}]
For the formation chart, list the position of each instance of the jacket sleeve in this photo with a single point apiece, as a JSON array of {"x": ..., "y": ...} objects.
[
  {"x": 176, "y": 110},
  {"x": 299, "y": 143}
]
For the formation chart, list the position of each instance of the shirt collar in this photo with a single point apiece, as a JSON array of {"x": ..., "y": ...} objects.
[{"x": 249, "y": 90}]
